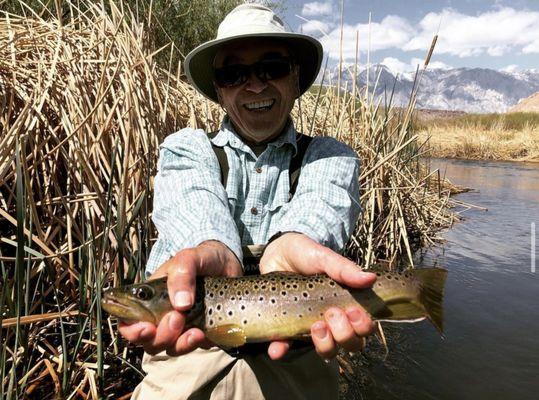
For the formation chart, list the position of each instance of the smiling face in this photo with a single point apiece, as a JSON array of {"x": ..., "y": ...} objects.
[{"x": 258, "y": 110}]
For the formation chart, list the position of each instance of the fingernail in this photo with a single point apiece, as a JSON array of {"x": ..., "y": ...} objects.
[
  {"x": 190, "y": 340},
  {"x": 355, "y": 316},
  {"x": 334, "y": 317},
  {"x": 326, "y": 360},
  {"x": 182, "y": 299},
  {"x": 175, "y": 323},
  {"x": 320, "y": 331}
]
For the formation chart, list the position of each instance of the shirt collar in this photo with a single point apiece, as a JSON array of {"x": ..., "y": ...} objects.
[{"x": 227, "y": 135}]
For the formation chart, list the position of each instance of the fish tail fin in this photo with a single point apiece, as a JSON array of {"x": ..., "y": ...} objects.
[{"x": 432, "y": 294}]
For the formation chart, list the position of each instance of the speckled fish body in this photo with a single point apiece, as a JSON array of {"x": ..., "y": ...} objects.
[{"x": 258, "y": 308}]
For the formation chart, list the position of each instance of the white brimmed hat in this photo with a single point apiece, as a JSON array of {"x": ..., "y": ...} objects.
[{"x": 246, "y": 21}]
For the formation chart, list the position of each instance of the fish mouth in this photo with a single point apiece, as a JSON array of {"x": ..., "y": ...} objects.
[
  {"x": 259, "y": 106},
  {"x": 121, "y": 310}
]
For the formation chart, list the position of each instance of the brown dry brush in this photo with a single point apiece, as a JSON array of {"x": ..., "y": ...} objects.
[{"x": 84, "y": 107}]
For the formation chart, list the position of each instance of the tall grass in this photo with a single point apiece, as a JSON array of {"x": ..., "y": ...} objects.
[
  {"x": 513, "y": 136},
  {"x": 84, "y": 108}
]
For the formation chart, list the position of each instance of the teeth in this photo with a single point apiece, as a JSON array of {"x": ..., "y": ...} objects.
[{"x": 259, "y": 104}]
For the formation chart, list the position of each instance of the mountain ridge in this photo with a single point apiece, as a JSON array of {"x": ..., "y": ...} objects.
[{"x": 473, "y": 90}]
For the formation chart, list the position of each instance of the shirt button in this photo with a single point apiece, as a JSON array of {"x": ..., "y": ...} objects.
[
  {"x": 254, "y": 211},
  {"x": 259, "y": 170}
]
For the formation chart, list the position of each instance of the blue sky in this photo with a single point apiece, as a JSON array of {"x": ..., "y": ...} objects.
[{"x": 497, "y": 34}]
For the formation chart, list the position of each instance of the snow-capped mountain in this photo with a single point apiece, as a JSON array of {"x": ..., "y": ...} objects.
[{"x": 477, "y": 90}]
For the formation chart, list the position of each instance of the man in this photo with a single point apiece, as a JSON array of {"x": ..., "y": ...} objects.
[{"x": 255, "y": 70}]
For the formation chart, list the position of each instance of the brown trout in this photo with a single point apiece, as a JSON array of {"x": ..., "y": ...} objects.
[{"x": 259, "y": 308}]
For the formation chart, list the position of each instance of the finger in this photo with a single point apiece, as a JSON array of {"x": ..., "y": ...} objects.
[
  {"x": 138, "y": 333},
  {"x": 323, "y": 341},
  {"x": 347, "y": 272},
  {"x": 278, "y": 349},
  {"x": 341, "y": 329},
  {"x": 360, "y": 320},
  {"x": 181, "y": 280},
  {"x": 167, "y": 333},
  {"x": 187, "y": 342}
]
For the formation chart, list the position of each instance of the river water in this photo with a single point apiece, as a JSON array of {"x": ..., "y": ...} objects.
[{"x": 491, "y": 345}]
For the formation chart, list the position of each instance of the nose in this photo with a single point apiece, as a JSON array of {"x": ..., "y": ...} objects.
[{"x": 254, "y": 84}]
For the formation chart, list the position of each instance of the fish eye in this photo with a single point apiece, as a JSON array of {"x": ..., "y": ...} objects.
[{"x": 143, "y": 292}]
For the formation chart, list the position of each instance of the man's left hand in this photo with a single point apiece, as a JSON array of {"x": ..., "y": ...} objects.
[{"x": 295, "y": 252}]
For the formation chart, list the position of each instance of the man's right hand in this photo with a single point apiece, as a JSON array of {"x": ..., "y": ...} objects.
[{"x": 211, "y": 258}]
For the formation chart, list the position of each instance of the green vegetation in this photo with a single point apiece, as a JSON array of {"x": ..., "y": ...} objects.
[{"x": 513, "y": 121}]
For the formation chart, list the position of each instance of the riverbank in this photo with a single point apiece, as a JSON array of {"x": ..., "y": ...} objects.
[{"x": 507, "y": 137}]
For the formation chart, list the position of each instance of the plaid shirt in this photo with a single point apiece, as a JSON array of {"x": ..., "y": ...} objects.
[{"x": 192, "y": 206}]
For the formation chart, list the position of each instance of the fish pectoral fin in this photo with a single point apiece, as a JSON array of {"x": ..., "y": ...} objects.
[{"x": 227, "y": 336}]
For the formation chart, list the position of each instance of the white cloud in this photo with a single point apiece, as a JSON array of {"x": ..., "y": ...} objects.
[
  {"x": 495, "y": 32},
  {"x": 315, "y": 27},
  {"x": 414, "y": 62},
  {"x": 392, "y": 31},
  {"x": 395, "y": 65},
  {"x": 511, "y": 68},
  {"x": 316, "y": 8}
]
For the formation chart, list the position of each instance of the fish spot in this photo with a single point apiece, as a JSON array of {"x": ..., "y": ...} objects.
[
  {"x": 334, "y": 294},
  {"x": 211, "y": 322},
  {"x": 273, "y": 288},
  {"x": 378, "y": 274},
  {"x": 321, "y": 314},
  {"x": 211, "y": 295},
  {"x": 230, "y": 313},
  {"x": 238, "y": 292},
  {"x": 311, "y": 286},
  {"x": 210, "y": 311},
  {"x": 379, "y": 284},
  {"x": 244, "y": 322},
  {"x": 288, "y": 286},
  {"x": 273, "y": 300},
  {"x": 300, "y": 316},
  {"x": 403, "y": 284},
  {"x": 247, "y": 292},
  {"x": 310, "y": 309},
  {"x": 295, "y": 285},
  {"x": 284, "y": 312},
  {"x": 242, "y": 306},
  {"x": 259, "y": 315},
  {"x": 296, "y": 298},
  {"x": 261, "y": 298},
  {"x": 256, "y": 287},
  {"x": 218, "y": 308},
  {"x": 240, "y": 298},
  {"x": 388, "y": 277},
  {"x": 322, "y": 298},
  {"x": 331, "y": 283},
  {"x": 232, "y": 298},
  {"x": 225, "y": 287},
  {"x": 396, "y": 278},
  {"x": 305, "y": 294},
  {"x": 220, "y": 318},
  {"x": 221, "y": 293},
  {"x": 283, "y": 293}
]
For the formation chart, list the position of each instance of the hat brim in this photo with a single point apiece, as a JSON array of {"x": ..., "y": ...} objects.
[{"x": 307, "y": 52}]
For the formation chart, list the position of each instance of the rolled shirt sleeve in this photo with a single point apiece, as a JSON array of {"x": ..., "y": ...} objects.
[
  {"x": 190, "y": 203},
  {"x": 326, "y": 205}
]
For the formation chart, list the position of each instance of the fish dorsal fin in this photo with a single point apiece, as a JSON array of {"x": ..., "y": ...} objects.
[{"x": 227, "y": 336}]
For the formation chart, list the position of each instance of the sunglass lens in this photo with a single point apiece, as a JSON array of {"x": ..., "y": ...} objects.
[
  {"x": 231, "y": 75},
  {"x": 272, "y": 69}
]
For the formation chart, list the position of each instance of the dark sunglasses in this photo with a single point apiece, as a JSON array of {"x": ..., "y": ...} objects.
[{"x": 265, "y": 70}]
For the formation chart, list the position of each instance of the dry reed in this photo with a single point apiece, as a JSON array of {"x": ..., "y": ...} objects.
[{"x": 84, "y": 108}]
